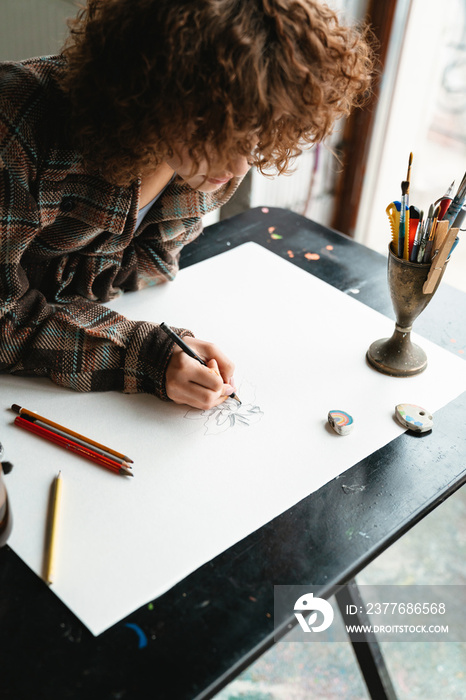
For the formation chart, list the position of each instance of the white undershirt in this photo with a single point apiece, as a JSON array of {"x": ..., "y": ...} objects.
[{"x": 143, "y": 211}]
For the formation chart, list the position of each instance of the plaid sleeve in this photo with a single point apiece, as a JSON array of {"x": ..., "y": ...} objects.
[{"x": 81, "y": 345}]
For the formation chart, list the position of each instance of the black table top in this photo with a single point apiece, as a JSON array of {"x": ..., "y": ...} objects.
[{"x": 191, "y": 641}]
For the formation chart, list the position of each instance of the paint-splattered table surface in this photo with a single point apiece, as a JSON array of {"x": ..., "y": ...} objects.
[{"x": 189, "y": 642}]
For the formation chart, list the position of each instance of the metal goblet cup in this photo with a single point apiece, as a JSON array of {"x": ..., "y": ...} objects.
[{"x": 398, "y": 356}]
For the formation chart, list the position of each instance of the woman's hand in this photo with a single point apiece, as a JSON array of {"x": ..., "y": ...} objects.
[{"x": 189, "y": 382}]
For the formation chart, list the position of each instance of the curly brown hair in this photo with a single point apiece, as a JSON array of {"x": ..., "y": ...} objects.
[{"x": 144, "y": 75}]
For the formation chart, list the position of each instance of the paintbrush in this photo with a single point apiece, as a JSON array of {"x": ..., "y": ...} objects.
[
  {"x": 402, "y": 229},
  {"x": 406, "y": 185},
  {"x": 408, "y": 176},
  {"x": 416, "y": 228},
  {"x": 403, "y": 234},
  {"x": 430, "y": 240},
  {"x": 425, "y": 234}
]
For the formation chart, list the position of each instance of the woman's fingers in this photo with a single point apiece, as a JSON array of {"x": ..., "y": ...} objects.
[
  {"x": 209, "y": 351},
  {"x": 189, "y": 382}
]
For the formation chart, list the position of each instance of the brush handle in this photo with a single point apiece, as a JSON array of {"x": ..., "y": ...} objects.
[{"x": 401, "y": 230}]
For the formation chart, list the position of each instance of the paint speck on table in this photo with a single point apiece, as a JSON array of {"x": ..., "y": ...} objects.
[
  {"x": 329, "y": 247},
  {"x": 264, "y": 210},
  {"x": 276, "y": 236},
  {"x": 290, "y": 253},
  {"x": 142, "y": 639},
  {"x": 312, "y": 256},
  {"x": 271, "y": 229},
  {"x": 353, "y": 291}
]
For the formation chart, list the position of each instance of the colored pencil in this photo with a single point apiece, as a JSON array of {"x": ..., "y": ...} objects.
[
  {"x": 73, "y": 447},
  {"x": 54, "y": 512},
  {"x": 36, "y": 417}
]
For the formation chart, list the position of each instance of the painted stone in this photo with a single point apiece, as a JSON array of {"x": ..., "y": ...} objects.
[
  {"x": 414, "y": 417},
  {"x": 341, "y": 422}
]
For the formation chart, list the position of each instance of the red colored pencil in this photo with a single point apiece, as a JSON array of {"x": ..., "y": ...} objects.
[
  {"x": 26, "y": 413},
  {"x": 73, "y": 447}
]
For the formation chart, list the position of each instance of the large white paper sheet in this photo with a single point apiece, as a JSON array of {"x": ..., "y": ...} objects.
[{"x": 201, "y": 485}]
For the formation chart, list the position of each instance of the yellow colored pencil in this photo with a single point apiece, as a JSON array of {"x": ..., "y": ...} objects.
[{"x": 53, "y": 525}]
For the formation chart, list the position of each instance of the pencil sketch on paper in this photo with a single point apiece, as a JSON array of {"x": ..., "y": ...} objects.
[{"x": 229, "y": 414}]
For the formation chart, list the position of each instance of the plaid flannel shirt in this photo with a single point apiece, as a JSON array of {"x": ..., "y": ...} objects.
[{"x": 67, "y": 242}]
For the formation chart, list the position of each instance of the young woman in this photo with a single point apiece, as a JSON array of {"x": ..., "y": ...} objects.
[{"x": 113, "y": 151}]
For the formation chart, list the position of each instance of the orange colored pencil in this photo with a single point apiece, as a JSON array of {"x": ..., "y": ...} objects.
[
  {"x": 73, "y": 447},
  {"x": 35, "y": 416}
]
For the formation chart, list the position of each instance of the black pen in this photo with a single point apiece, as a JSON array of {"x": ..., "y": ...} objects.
[{"x": 189, "y": 351}]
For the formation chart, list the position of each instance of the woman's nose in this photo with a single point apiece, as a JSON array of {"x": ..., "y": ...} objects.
[{"x": 239, "y": 166}]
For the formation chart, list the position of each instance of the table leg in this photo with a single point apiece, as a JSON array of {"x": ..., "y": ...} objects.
[{"x": 368, "y": 652}]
